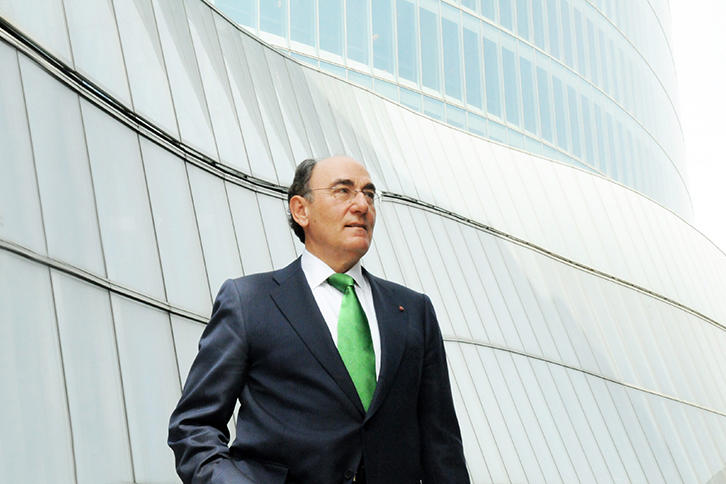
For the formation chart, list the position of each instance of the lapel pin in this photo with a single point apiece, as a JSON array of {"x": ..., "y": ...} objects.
[{"x": 400, "y": 308}]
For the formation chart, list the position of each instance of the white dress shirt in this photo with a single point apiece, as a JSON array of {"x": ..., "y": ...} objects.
[{"x": 329, "y": 298}]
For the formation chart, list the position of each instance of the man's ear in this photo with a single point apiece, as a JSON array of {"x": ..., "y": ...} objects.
[{"x": 299, "y": 210}]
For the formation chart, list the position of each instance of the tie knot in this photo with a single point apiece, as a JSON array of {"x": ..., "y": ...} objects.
[{"x": 341, "y": 281}]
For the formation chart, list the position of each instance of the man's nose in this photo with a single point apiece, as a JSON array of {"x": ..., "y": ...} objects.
[{"x": 360, "y": 202}]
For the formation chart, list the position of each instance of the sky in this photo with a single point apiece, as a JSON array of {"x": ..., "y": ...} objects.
[{"x": 699, "y": 48}]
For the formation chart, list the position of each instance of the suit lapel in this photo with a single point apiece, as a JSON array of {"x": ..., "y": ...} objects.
[
  {"x": 392, "y": 325},
  {"x": 296, "y": 302}
]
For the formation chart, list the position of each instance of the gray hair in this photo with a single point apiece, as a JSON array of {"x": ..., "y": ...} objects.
[{"x": 300, "y": 186}]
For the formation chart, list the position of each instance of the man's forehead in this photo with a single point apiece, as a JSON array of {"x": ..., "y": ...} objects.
[{"x": 340, "y": 168}]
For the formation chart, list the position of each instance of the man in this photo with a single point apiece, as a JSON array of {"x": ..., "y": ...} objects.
[{"x": 336, "y": 384}]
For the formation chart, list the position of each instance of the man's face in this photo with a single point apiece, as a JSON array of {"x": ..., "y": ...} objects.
[{"x": 339, "y": 232}]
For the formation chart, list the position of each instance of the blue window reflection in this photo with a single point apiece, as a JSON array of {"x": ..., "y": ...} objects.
[
  {"x": 545, "y": 110},
  {"x": 567, "y": 34},
  {"x": 356, "y": 13},
  {"x": 603, "y": 61},
  {"x": 558, "y": 96},
  {"x": 601, "y": 142},
  {"x": 452, "y": 57},
  {"x": 511, "y": 95},
  {"x": 488, "y": 9},
  {"x": 244, "y": 13},
  {"x": 554, "y": 30},
  {"x": 538, "y": 24},
  {"x": 273, "y": 17},
  {"x": 574, "y": 121},
  {"x": 470, "y": 4},
  {"x": 302, "y": 21},
  {"x": 593, "y": 51},
  {"x": 587, "y": 128},
  {"x": 473, "y": 66},
  {"x": 382, "y": 14},
  {"x": 407, "y": 43},
  {"x": 580, "y": 45},
  {"x": 428, "y": 28},
  {"x": 614, "y": 71},
  {"x": 330, "y": 26},
  {"x": 528, "y": 99},
  {"x": 491, "y": 70},
  {"x": 523, "y": 19},
  {"x": 613, "y": 158},
  {"x": 505, "y": 14}
]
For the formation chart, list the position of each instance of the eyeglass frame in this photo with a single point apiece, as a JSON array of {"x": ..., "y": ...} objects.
[{"x": 339, "y": 189}]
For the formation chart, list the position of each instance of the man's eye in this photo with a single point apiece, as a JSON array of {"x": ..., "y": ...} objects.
[
  {"x": 370, "y": 195},
  {"x": 342, "y": 191}
]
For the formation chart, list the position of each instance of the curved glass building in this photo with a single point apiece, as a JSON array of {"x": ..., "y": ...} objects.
[
  {"x": 589, "y": 83},
  {"x": 531, "y": 163}
]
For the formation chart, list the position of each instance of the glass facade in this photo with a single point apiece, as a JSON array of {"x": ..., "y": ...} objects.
[
  {"x": 543, "y": 73},
  {"x": 146, "y": 147}
]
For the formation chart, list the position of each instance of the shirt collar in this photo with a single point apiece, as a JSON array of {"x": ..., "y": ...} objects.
[{"x": 317, "y": 271}]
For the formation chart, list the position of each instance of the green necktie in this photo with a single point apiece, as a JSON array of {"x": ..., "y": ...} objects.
[{"x": 354, "y": 339}]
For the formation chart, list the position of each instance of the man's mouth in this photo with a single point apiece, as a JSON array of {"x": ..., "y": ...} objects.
[{"x": 359, "y": 226}]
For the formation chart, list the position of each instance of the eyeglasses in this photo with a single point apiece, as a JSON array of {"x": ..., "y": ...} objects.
[{"x": 346, "y": 194}]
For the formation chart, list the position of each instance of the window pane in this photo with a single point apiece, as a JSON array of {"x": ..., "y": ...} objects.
[
  {"x": 450, "y": 33},
  {"x": 574, "y": 121},
  {"x": 491, "y": 69},
  {"x": 488, "y": 9},
  {"x": 560, "y": 112},
  {"x": 587, "y": 126},
  {"x": 580, "y": 45},
  {"x": 330, "y": 24},
  {"x": 545, "y": 110},
  {"x": 553, "y": 28},
  {"x": 472, "y": 63},
  {"x": 383, "y": 35},
  {"x": 273, "y": 17},
  {"x": 428, "y": 25},
  {"x": 567, "y": 33},
  {"x": 505, "y": 15},
  {"x": 593, "y": 52},
  {"x": 511, "y": 84},
  {"x": 538, "y": 22},
  {"x": 244, "y": 13},
  {"x": 523, "y": 19},
  {"x": 302, "y": 21},
  {"x": 358, "y": 37},
  {"x": 528, "y": 99},
  {"x": 407, "y": 40}
]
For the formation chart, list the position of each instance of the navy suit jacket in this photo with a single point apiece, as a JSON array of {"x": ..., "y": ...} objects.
[{"x": 300, "y": 418}]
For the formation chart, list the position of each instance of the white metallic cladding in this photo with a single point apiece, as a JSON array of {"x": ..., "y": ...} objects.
[{"x": 584, "y": 322}]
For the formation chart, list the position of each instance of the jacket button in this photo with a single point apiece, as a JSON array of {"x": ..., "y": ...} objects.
[{"x": 349, "y": 473}]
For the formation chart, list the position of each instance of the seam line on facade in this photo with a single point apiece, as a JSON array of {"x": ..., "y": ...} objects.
[{"x": 455, "y": 339}]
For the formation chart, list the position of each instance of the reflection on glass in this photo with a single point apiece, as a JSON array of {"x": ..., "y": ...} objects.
[
  {"x": 523, "y": 19},
  {"x": 452, "y": 55},
  {"x": 382, "y": 18},
  {"x": 357, "y": 36},
  {"x": 273, "y": 17},
  {"x": 491, "y": 69},
  {"x": 302, "y": 21},
  {"x": 528, "y": 96},
  {"x": 330, "y": 25},
  {"x": 566, "y": 33},
  {"x": 472, "y": 62},
  {"x": 505, "y": 14},
  {"x": 429, "y": 36},
  {"x": 407, "y": 40},
  {"x": 574, "y": 121},
  {"x": 554, "y": 31}
]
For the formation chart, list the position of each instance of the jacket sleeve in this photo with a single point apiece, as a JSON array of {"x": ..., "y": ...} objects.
[
  {"x": 442, "y": 454},
  {"x": 198, "y": 432}
]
